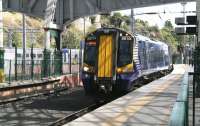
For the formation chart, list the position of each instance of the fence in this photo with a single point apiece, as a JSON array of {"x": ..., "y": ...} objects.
[
  {"x": 179, "y": 115},
  {"x": 37, "y": 69}
]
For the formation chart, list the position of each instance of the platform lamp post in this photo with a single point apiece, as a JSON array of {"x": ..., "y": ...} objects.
[
  {"x": 2, "y": 76},
  {"x": 132, "y": 21},
  {"x": 24, "y": 46},
  {"x": 32, "y": 61}
]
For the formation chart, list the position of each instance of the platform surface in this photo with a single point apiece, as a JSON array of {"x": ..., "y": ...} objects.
[{"x": 149, "y": 105}]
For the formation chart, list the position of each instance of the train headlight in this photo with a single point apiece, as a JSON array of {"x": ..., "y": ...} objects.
[
  {"x": 125, "y": 69},
  {"x": 119, "y": 70},
  {"x": 86, "y": 69}
]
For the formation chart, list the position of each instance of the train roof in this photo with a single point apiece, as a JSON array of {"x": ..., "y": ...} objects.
[
  {"x": 112, "y": 28},
  {"x": 137, "y": 36},
  {"x": 148, "y": 40}
]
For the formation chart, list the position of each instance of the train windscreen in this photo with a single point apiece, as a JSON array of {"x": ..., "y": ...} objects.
[
  {"x": 124, "y": 53},
  {"x": 90, "y": 53}
]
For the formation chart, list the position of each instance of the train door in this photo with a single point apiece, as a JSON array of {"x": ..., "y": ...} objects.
[{"x": 105, "y": 58}]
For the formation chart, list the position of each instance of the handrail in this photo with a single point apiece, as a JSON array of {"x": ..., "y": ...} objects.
[{"x": 179, "y": 115}]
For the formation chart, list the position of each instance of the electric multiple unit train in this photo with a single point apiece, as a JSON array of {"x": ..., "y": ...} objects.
[{"x": 114, "y": 59}]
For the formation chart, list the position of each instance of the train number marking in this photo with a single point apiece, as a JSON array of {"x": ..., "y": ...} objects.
[{"x": 126, "y": 38}]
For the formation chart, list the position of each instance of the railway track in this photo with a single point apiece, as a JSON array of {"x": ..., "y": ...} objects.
[
  {"x": 49, "y": 109},
  {"x": 76, "y": 114},
  {"x": 42, "y": 111},
  {"x": 15, "y": 93},
  {"x": 21, "y": 92},
  {"x": 140, "y": 82}
]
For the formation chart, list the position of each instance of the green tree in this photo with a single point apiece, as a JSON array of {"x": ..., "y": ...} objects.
[
  {"x": 105, "y": 20},
  {"x": 116, "y": 19},
  {"x": 17, "y": 39},
  {"x": 72, "y": 37}
]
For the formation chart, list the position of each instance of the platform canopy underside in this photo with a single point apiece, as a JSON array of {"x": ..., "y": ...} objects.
[{"x": 68, "y": 10}]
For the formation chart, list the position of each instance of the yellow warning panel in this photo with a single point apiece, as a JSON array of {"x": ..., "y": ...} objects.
[{"x": 105, "y": 56}]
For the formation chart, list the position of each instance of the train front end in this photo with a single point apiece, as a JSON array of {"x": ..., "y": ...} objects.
[{"x": 106, "y": 54}]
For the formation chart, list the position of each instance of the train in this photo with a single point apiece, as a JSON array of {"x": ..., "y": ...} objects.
[{"x": 114, "y": 59}]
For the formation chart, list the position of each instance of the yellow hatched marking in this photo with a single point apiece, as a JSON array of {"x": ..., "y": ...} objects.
[
  {"x": 108, "y": 57},
  {"x": 99, "y": 58},
  {"x": 105, "y": 56}
]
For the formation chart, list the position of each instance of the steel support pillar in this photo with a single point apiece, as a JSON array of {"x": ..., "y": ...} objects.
[
  {"x": 24, "y": 46},
  {"x": 197, "y": 52}
]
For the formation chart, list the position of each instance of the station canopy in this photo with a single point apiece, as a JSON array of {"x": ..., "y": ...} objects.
[{"x": 66, "y": 11}]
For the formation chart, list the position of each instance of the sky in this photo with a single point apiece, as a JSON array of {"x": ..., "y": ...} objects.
[{"x": 159, "y": 19}]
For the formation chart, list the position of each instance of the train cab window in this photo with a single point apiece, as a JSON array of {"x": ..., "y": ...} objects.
[
  {"x": 90, "y": 53},
  {"x": 125, "y": 52}
]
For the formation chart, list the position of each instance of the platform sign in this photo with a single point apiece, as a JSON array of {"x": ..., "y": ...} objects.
[
  {"x": 180, "y": 21},
  {"x": 188, "y": 26},
  {"x": 192, "y": 20}
]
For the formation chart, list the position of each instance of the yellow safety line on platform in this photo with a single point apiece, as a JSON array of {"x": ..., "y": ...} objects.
[{"x": 138, "y": 105}]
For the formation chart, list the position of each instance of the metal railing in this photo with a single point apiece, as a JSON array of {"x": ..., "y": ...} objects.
[
  {"x": 34, "y": 69},
  {"x": 179, "y": 115}
]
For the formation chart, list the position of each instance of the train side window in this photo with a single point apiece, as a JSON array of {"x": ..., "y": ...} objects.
[
  {"x": 19, "y": 55},
  {"x": 34, "y": 55},
  {"x": 27, "y": 55},
  {"x": 39, "y": 55}
]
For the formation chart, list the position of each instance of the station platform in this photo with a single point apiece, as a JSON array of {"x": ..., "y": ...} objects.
[
  {"x": 150, "y": 105},
  {"x": 21, "y": 89}
]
